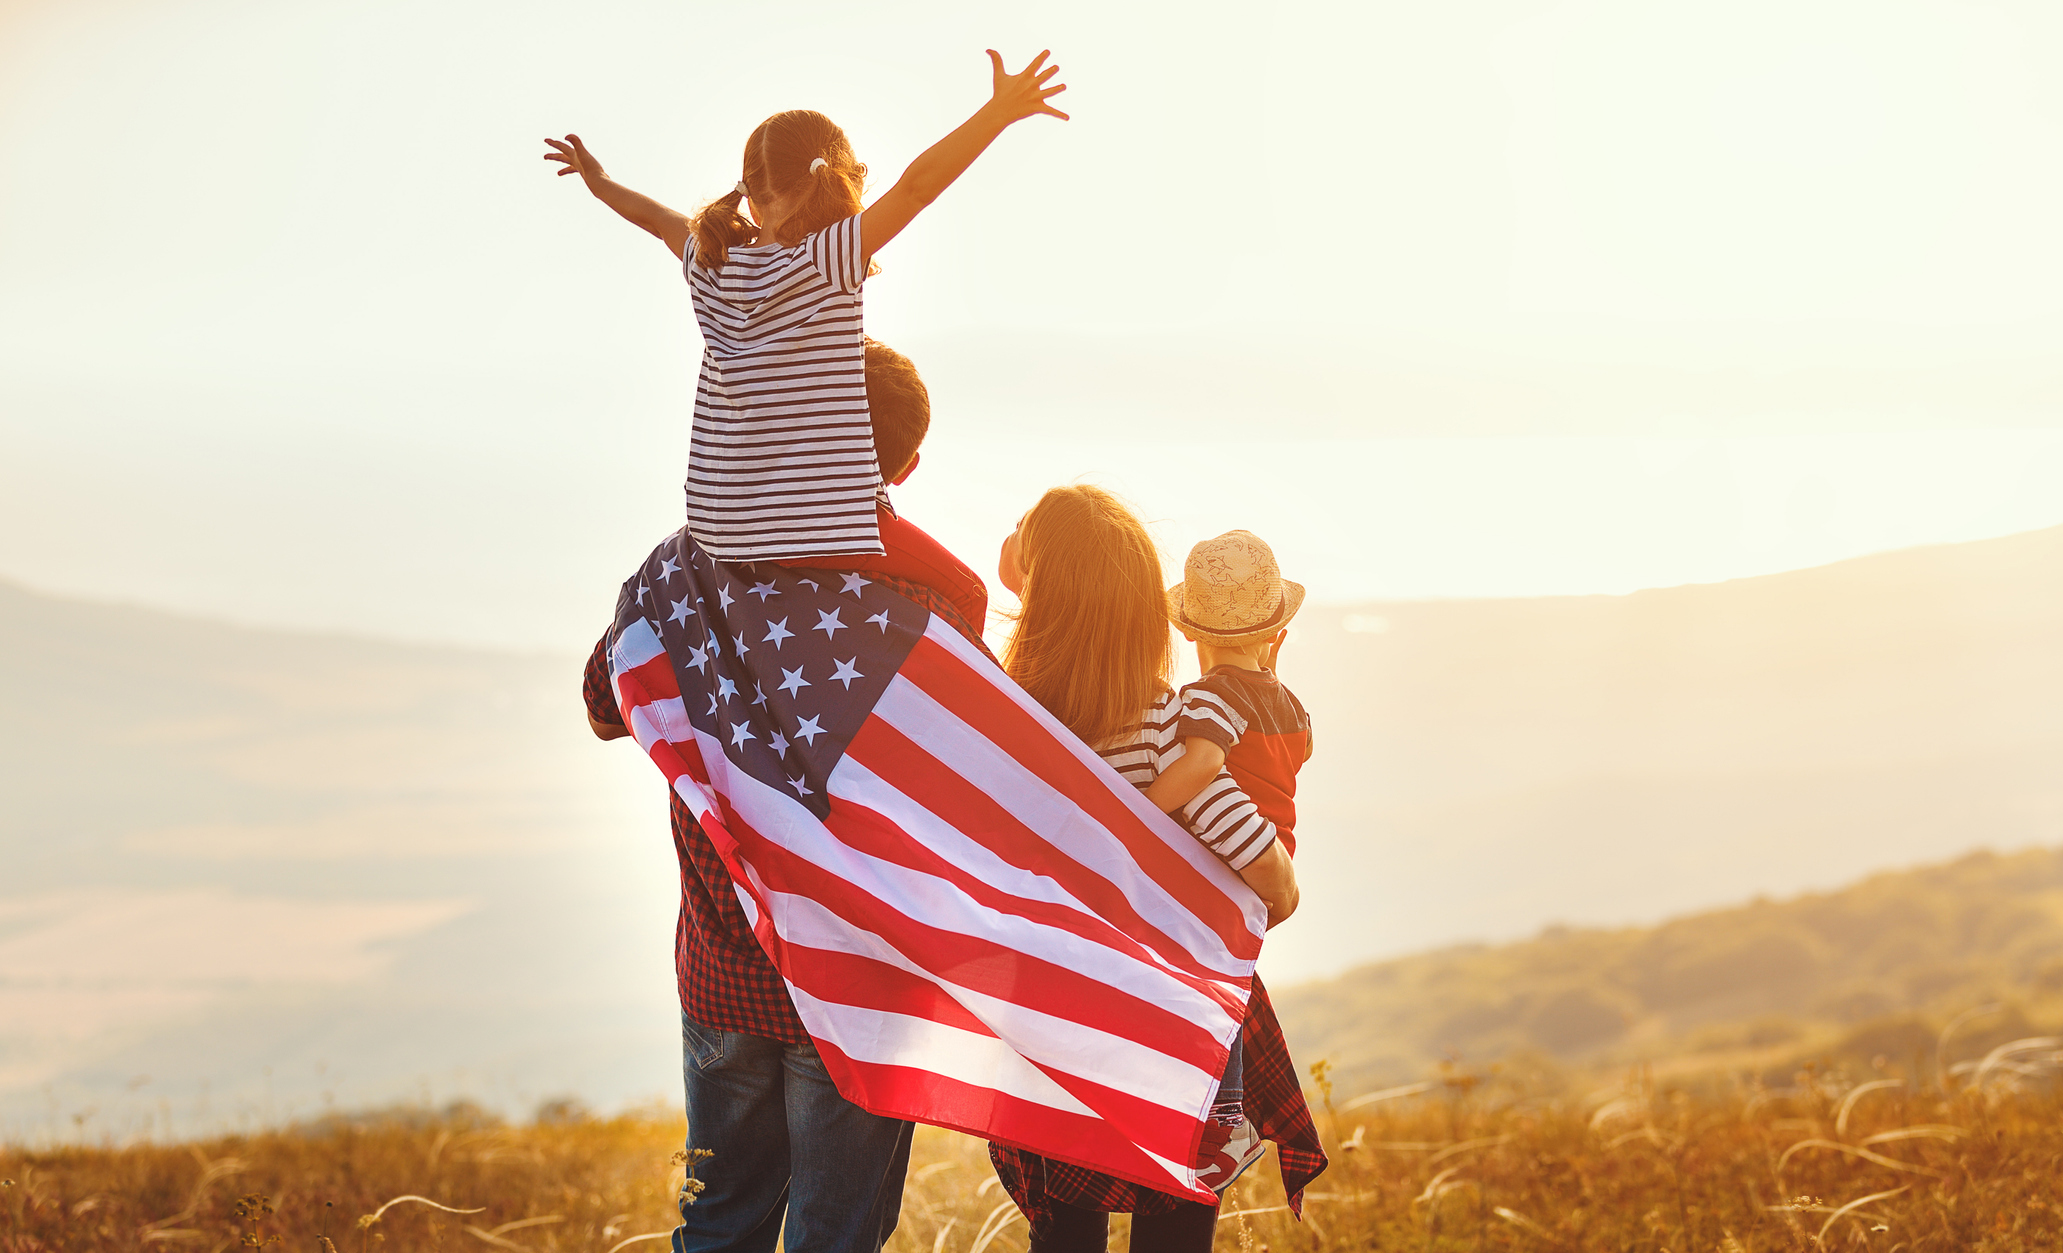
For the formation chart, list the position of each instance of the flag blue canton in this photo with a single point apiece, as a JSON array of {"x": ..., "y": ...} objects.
[{"x": 779, "y": 666}]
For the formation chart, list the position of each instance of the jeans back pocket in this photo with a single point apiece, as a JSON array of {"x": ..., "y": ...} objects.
[{"x": 704, "y": 1045}]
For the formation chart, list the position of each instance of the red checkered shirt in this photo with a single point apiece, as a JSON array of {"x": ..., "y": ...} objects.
[
  {"x": 1274, "y": 1102},
  {"x": 726, "y": 980}
]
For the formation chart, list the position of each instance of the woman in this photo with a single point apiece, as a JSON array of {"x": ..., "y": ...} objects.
[{"x": 1092, "y": 645}]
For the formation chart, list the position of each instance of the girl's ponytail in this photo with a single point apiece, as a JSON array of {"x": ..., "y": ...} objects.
[
  {"x": 719, "y": 228},
  {"x": 797, "y": 158}
]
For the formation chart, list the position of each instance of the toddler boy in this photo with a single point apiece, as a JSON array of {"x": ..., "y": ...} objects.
[{"x": 1235, "y": 606}]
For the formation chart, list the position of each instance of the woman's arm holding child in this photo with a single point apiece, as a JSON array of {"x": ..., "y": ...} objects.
[
  {"x": 671, "y": 226},
  {"x": 1189, "y": 774},
  {"x": 1017, "y": 96},
  {"x": 1273, "y": 877}
]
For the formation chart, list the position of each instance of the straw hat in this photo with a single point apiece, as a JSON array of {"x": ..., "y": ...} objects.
[{"x": 1232, "y": 592}]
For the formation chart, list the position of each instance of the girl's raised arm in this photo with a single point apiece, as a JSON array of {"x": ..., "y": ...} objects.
[
  {"x": 671, "y": 226},
  {"x": 1017, "y": 96}
]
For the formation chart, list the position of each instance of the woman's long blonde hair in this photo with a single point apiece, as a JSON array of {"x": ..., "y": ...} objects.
[{"x": 1092, "y": 642}]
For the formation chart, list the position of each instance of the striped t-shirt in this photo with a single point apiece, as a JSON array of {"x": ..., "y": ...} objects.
[
  {"x": 1221, "y": 815},
  {"x": 782, "y": 461},
  {"x": 1265, "y": 732}
]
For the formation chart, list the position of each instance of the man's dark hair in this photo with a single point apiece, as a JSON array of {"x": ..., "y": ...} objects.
[{"x": 899, "y": 406}]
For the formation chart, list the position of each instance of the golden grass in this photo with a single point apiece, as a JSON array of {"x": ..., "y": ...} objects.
[{"x": 1461, "y": 1163}]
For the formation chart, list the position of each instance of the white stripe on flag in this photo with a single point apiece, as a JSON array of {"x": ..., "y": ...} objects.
[
  {"x": 1170, "y": 831},
  {"x": 888, "y": 1039},
  {"x": 1150, "y": 980},
  {"x": 659, "y": 720},
  {"x": 1046, "y": 809},
  {"x": 635, "y": 645},
  {"x": 1069, "y": 1047},
  {"x": 936, "y": 903}
]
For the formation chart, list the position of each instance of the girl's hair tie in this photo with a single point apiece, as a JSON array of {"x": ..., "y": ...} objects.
[
  {"x": 740, "y": 189},
  {"x": 817, "y": 164}
]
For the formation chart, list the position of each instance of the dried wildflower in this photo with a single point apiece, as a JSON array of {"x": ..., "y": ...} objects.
[
  {"x": 252, "y": 1210},
  {"x": 691, "y": 1188}
]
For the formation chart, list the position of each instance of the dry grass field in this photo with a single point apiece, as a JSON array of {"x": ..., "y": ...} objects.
[{"x": 1462, "y": 1161}]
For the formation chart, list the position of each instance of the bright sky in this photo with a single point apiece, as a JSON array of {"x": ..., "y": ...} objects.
[{"x": 1478, "y": 298}]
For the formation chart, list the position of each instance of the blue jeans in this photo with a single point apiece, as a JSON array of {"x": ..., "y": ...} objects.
[{"x": 787, "y": 1146}]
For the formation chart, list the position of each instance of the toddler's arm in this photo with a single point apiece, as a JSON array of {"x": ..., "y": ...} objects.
[
  {"x": 1199, "y": 763},
  {"x": 1017, "y": 96},
  {"x": 671, "y": 226}
]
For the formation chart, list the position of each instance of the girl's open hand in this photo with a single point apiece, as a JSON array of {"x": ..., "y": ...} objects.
[
  {"x": 1020, "y": 96},
  {"x": 574, "y": 158}
]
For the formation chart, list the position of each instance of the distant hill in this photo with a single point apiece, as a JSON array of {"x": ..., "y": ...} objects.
[
  {"x": 244, "y": 872},
  {"x": 1874, "y": 969},
  {"x": 1486, "y": 767}
]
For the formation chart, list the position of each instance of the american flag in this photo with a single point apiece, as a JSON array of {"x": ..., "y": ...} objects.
[{"x": 982, "y": 926}]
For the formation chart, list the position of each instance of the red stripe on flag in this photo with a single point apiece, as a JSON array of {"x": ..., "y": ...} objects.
[
  {"x": 836, "y": 977},
  {"x": 653, "y": 680},
  {"x": 973, "y": 962},
  {"x": 905, "y": 764},
  {"x": 980, "y": 704},
  {"x": 923, "y": 1096}
]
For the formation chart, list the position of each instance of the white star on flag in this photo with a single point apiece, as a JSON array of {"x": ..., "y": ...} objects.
[
  {"x": 727, "y": 689},
  {"x": 791, "y": 679},
  {"x": 880, "y": 620},
  {"x": 763, "y": 590},
  {"x": 780, "y": 744},
  {"x": 642, "y": 589},
  {"x": 680, "y": 612},
  {"x": 829, "y": 624},
  {"x": 667, "y": 568},
  {"x": 699, "y": 657},
  {"x": 724, "y": 597},
  {"x": 776, "y": 632},
  {"x": 847, "y": 671},
  {"x": 853, "y": 584},
  {"x": 800, "y": 790},
  {"x": 740, "y": 732},
  {"x": 807, "y": 731}
]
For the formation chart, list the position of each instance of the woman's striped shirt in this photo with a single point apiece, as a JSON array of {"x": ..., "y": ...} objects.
[
  {"x": 782, "y": 460},
  {"x": 1221, "y": 815}
]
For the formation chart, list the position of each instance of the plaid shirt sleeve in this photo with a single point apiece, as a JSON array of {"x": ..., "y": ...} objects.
[{"x": 596, "y": 690}]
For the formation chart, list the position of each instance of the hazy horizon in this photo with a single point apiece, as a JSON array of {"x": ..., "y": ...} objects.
[{"x": 1606, "y": 297}]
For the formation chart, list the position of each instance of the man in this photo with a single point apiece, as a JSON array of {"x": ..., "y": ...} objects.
[{"x": 784, "y": 1145}]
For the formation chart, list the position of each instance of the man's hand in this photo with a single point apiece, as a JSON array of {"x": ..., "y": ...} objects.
[
  {"x": 1019, "y": 96},
  {"x": 574, "y": 158}
]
